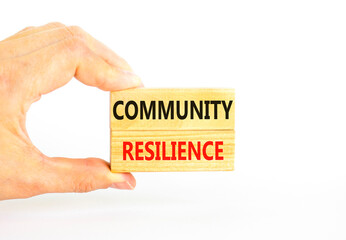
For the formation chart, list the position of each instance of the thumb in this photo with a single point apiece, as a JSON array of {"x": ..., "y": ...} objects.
[{"x": 83, "y": 175}]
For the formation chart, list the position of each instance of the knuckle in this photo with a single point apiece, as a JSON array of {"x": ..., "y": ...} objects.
[
  {"x": 27, "y": 28},
  {"x": 77, "y": 32},
  {"x": 77, "y": 40},
  {"x": 76, "y": 45},
  {"x": 55, "y": 24},
  {"x": 84, "y": 185}
]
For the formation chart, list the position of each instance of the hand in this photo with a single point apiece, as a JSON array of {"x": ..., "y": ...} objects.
[{"x": 36, "y": 61}]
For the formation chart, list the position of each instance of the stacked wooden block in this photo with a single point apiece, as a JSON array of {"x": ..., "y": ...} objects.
[{"x": 172, "y": 130}]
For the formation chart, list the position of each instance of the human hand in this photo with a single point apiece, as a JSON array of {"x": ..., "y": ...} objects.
[{"x": 36, "y": 61}]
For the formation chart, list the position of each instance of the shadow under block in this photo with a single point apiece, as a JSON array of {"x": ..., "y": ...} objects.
[{"x": 157, "y": 130}]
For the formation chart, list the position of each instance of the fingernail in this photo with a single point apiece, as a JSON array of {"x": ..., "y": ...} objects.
[
  {"x": 137, "y": 80},
  {"x": 122, "y": 185},
  {"x": 141, "y": 85},
  {"x": 129, "y": 183}
]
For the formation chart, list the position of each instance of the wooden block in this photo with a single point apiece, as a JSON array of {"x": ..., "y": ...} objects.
[
  {"x": 144, "y": 109},
  {"x": 155, "y": 130},
  {"x": 155, "y": 151}
]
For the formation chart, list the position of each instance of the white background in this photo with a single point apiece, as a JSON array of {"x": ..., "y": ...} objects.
[{"x": 286, "y": 60}]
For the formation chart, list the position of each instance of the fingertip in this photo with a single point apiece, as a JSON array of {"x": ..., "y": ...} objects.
[
  {"x": 123, "y": 181},
  {"x": 130, "y": 80},
  {"x": 120, "y": 80},
  {"x": 141, "y": 85},
  {"x": 137, "y": 81}
]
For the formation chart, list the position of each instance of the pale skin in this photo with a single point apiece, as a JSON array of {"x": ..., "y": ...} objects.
[{"x": 36, "y": 61}]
